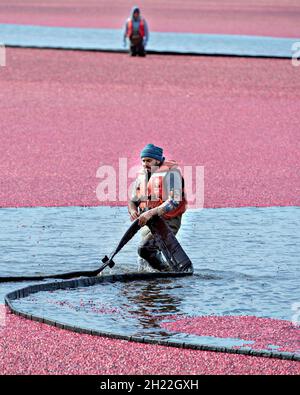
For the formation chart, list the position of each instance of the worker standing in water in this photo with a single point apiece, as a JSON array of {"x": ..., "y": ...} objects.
[
  {"x": 137, "y": 32},
  {"x": 158, "y": 192}
]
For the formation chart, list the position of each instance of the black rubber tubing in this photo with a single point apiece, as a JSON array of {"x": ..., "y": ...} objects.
[
  {"x": 86, "y": 282},
  {"x": 148, "y": 52},
  {"x": 62, "y": 276}
]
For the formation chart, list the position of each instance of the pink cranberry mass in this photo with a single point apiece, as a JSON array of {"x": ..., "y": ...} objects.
[
  {"x": 29, "y": 347},
  {"x": 66, "y": 113}
]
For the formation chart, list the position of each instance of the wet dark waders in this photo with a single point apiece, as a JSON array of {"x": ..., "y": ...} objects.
[
  {"x": 167, "y": 243},
  {"x": 136, "y": 46}
]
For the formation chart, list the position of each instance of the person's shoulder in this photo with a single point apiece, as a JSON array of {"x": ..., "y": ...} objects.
[{"x": 170, "y": 164}]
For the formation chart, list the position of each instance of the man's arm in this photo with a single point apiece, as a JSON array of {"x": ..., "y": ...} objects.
[
  {"x": 134, "y": 202},
  {"x": 146, "y": 30},
  {"x": 169, "y": 205},
  {"x": 125, "y": 33},
  {"x": 133, "y": 210},
  {"x": 166, "y": 207}
]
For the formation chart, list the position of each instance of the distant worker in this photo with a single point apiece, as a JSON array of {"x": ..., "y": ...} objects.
[{"x": 136, "y": 30}]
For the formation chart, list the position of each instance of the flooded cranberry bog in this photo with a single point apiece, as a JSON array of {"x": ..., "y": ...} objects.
[
  {"x": 228, "y": 305},
  {"x": 67, "y": 112}
]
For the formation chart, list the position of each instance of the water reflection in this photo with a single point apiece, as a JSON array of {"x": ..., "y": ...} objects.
[{"x": 150, "y": 303}]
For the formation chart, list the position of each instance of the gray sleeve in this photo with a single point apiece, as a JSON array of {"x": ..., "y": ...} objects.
[
  {"x": 125, "y": 29},
  {"x": 134, "y": 198},
  {"x": 146, "y": 32}
]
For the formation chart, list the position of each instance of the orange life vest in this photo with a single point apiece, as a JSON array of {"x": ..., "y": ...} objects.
[
  {"x": 130, "y": 28},
  {"x": 153, "y": 192}
]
